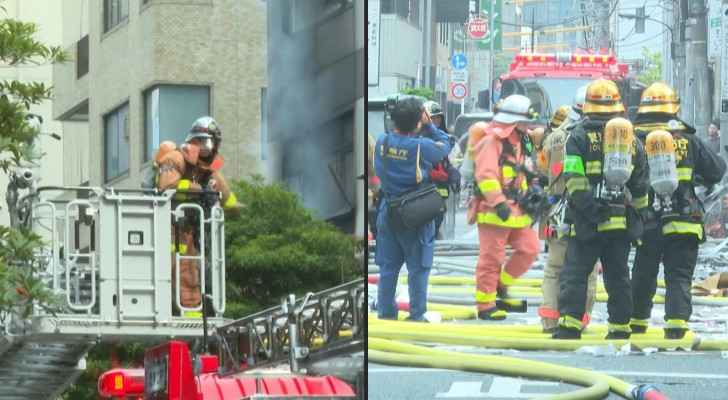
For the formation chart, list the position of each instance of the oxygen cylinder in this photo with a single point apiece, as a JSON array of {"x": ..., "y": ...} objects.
[
  {"x": 475, "y": 133},
  {"x": 618, "y": 140},
  {"x": 660, "y": 149}
]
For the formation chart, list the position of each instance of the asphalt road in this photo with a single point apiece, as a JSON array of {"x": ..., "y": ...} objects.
[{"x": 679, "y": 375}]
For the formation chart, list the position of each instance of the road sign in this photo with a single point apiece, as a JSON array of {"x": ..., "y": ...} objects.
[
  {"x": 459, "y": 61},
  {"x": 373, "y": 42},
  {"x": 459, "y": 76},
  {"x": 477, "y": 28},
  {"x": 458, "y": 91}
]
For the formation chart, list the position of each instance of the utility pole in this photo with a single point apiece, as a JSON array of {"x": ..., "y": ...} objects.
[
  {"x": 680, "y": 13},
  {"x": 701, "y": 111},
  {"x": 601, "y": 26},
  {"x": 427, "y": 32},
  {"x": 533, "y": 30}
]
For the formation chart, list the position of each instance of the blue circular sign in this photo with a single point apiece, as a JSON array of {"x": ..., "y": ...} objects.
[{"x": 459, "y": 61}]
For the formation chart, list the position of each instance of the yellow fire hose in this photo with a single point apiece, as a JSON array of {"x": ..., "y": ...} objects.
[
  {"x": 597, "y": 385},
  {"x": 526, "y": 292},
  {"x": 385, "y": 348},
  {"x": 515, "y": 331},
  {"x": 443, "y": 280}
]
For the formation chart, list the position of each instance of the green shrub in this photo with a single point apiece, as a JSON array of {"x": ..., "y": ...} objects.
[{"x": 275, "y": 247}]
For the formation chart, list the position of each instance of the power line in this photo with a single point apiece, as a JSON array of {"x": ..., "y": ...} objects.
[
  {"x": 645, "y": 40},
  {"x": 628, "y": 35}
]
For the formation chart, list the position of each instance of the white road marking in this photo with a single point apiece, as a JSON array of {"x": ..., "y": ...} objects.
[
  {"x": 618, "y": 373},
  {"x": 501, "y": 387},
  {"x": 462, "y": 389}
]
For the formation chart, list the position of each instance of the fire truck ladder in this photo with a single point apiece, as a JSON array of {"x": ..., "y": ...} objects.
[
  {"x": 320, "y": 326},
  {"x": 33, "y": 368}
]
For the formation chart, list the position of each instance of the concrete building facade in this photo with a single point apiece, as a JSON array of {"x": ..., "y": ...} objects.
[
  {"x": 315, "y": 130},
  {"x": 144, "y": 70}
]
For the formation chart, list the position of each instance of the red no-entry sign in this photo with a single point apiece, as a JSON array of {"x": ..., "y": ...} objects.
[
  {"x": 458, "y": 91},
  {"x": 477, "y": 28}
]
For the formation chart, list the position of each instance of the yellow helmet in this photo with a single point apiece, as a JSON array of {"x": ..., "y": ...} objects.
[
  {"x": 659, "y": 98},
  {"x": 602, "y": 97},
  {"x": 559, "y": 116}
]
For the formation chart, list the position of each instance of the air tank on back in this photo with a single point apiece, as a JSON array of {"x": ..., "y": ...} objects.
[
  {"x": 618, "y": 142},
  {"x": 660, "y": 148}
]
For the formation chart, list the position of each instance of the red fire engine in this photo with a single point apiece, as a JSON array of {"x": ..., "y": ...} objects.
[
  {"x": 314, "y": 338},
  {"x": 551, "y": 80}
]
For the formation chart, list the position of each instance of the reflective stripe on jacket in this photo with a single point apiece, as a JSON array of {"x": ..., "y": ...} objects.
[{"x": 494, "y": 179}]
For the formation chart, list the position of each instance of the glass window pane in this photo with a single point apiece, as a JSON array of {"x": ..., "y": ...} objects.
[
  {"x": 110, "y": 144},
  {"x": 263, "y": 123},
  {"x": 114, "y": 13},
  {"x": 123, "y": 139},
  {"x": 123, "y": 9},
  {"x": 116, "y": 142},
  {"x": 151, "y": 123},
  {"x": 177, "y": 108}
]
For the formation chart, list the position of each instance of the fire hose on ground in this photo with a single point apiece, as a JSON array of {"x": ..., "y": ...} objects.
[
  {"x": 596, "y": 385},
  {"x": 385, "y": 346},
  {"x": 525, "y": 288}
]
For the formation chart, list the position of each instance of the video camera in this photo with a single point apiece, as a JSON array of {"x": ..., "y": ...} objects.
[{"x": 535, "y": 202}]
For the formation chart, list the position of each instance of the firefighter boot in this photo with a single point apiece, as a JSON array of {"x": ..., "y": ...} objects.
[
  {"x": 508, "y": 304},
  {"x": 569, "y": 328},
  {"x": 618, "y": 331},
  {"x": 492, "y": 314},
  {"x": 638, "y": 325},
  {"x": 675, "y": 329}
]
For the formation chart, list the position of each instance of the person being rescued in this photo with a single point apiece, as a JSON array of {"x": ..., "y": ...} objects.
[{"x": 193, "y": 167}]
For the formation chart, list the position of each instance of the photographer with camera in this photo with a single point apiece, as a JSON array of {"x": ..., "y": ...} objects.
[{"x": 408, "y": 206}]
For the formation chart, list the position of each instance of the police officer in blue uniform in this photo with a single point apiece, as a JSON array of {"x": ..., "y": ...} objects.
[{"x": 402, "y": 167}]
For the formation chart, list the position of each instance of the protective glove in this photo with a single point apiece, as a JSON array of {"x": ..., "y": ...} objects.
[{"x": 503, "y": 211}]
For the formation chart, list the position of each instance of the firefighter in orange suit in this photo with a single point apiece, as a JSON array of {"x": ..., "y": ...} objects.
[
  {"x": 500, "y": 175},
  {"x": 193, "y": 167}
]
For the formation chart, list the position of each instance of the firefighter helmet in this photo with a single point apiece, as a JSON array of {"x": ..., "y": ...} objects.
[
  {"x": 659, "y": 98},
  {"x": 205, "y": 128},
  {"x": 602, "y": 97},
  {"x": 559, "y": 116},
  {"x": 514, "y": 108},
  {"x": 433, "y": 108}
]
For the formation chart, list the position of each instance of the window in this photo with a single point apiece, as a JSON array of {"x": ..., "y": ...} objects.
[
  {"x": 301, "y": 15},
  {"x": 408, "y": 10},
  {"x": 115, "y": 12},
  {"x": 82, "y": 57},
  {"x": 170, "y": 111},
  {"x": 263, "y": 123},
  {"x": 116, "y": 142}
]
